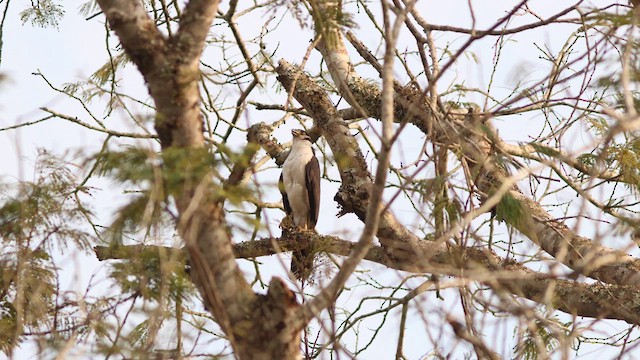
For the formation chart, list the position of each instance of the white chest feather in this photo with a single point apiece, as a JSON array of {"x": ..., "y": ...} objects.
[{"x": 294, "y": 179}]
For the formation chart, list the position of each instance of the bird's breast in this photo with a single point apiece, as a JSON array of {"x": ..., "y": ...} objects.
[{"x": 294, "y": 167}]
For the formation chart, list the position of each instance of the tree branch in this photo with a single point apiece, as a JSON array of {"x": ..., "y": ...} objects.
[
  {"x": 472, "y": 137},
  {"x": 195, "y": 22},
  {"x": 552, "y": 19},
  {"x": 590, "y": 300},
  {"x": 355, "y": 190},
  {"x": 172, "y": 74},
  {"x": 139, "y": 36}
]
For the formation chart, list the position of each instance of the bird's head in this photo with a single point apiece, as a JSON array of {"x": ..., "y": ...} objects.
[{"x": 299, "y": 134}]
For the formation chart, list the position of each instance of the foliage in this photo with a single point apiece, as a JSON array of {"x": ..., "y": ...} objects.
[
  {"x": 157, "y": 276},
  {"x": 37, "y": 220},
  {"x": 564, "y": 118},
  {"x": 540, "y": 339},
  {"x": 509, "y": 209},
  {"x": 43, "y": 13}
]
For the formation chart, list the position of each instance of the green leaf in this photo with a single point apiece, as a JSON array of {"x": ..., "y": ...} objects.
[
  {"x": 133, "y": 165},
  {"x": 139, "y": 336},
  {"x": 154, "y": 276},
  {"x": 549, "y": 151},
  {"x": 8, "y": 326},
  {"x": 140, "y": 212},
  {"x": 107, "y": 71},
  {"x": 45, "y": 210},
  {"x": 528, "y": 348},
  {"x": 43, "y": 13},
  {"x": 510, "y": 210}
]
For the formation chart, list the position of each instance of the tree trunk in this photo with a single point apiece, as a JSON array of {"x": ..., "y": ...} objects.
[{"x": 258, "y": 326}]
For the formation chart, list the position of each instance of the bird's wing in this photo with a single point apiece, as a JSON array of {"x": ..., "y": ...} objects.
[
  {"x": 312, "y": 170},
  {"x": 285, "y": 198}
]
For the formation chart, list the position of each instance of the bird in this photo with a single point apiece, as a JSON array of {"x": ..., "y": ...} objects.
[{"x": 300, "y": 187}]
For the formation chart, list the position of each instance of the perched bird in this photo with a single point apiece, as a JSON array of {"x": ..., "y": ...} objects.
[{"x": 300, "y": 188}]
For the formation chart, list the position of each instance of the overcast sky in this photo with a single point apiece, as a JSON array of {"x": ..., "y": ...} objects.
[{"x": 77, "y": 48}]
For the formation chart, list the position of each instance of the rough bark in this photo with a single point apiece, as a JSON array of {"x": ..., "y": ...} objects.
[
  {"x": 353, "y": 196},
  {"x": 471, "y": 137},
  {"x": 258, "y": 326},
  {"x": 589, "y": 300},
  {"x": 268, "y": 326},
  {"x": 448, "y": 259}
]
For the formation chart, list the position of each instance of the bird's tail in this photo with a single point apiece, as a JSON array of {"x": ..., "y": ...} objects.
[{"x": 302, "y": 264}]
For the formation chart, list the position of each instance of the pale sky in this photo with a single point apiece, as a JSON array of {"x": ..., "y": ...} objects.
[{"x": 75, "y": 50}]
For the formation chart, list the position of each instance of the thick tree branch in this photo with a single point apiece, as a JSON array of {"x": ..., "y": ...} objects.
[
  {"x": 472, "y": 137},
  {"x": 139, "y": 36},
  {"x": 260, "y": 134},
  {"x": 356, "y": 185},
  {"x": 588, "y": 300},
  {"x": 195, "y": 22},
  {"x": 172, "y": 74}
]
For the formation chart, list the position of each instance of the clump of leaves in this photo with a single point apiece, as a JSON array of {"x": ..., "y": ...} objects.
[
  {"x": 36, "y": 219},
  {"x": 154, "y": 275},
  {"x": 186, "y": 167},
  {"x": 598, "y": 125},
  {"x": 158, "y": 273},
  {"x": 47, "y": 211},
  {"x": 155, "y": 177},
  {"x": 427, "y": 188},
  {"x": 537, "y": 337},
  {"x": 43, "y": 13},
  {"x": 9, "y": 333},
  {"x": 28, "y": 290},
  {"x": 510, "y": 210},
  {"x": 171, "y": 169},
  {"x": 107, "y": 71},
  {"x": 322, "y": 15},
  {"x": 142, "y": 170},
  {"x": 627, "y": 157}
]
